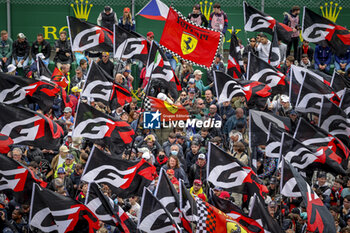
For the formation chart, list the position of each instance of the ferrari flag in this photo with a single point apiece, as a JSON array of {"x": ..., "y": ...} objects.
[{"x": 193, "y": 43}]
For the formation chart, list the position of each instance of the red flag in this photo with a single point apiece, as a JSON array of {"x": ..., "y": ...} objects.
[
  {"x": 170, "y": 112},
  {"x": 5, "y": 143},
  {"x": 193, "y": 43},
  {"x": 59, "y": 78}
]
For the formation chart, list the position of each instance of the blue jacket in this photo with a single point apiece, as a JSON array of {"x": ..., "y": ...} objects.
[
  {"x": 232, "y": 122},
  {"x": 323, "y": 55},
  {"x": 345, "y": 57}
]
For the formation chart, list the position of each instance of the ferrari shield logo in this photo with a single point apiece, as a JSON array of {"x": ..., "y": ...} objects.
[
  {"x": 188, "y": 43},
  {"x": 170, "y": 107}
]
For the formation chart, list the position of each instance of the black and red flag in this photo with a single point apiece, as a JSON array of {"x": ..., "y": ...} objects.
[
  {"x": 261, "y": 71},
  {"x": 188, "y": 207},
  {"x": 256, "y": 93},
  {"x": 257, "y": 21},
  {"x": 59, "y": 78},
  {"x": 93, "y": 124},
  {"x": 275, "y": 53},
  {"x": 5, "y": 144},
  {"x": 229, "y": 208},
  {"x": 226, "y": 87},
  {"x": 345, "y": 102},
  {"x": 235, "y": 61},
  {"x": 334, "y": 120},
  {"x": 338, "y": 83},
  {"x": 26, "y": 127},
  {"x": 53, "y": 212},
  {"x": 85, "y": 36},
  {"x": 335, "y": 152},
  {"x": 130, "y": 45},
  {"x": 259, "y": 213},
  {"x": 154, "y": 217},
  {"x": 17, "y": 180},
  {"x": 259, "y": 126},
  {"x": 288, "y": 183},
  {"x": 317, "y": 29},
  {"x": 43, "y": 71},
  {"x": 125, "y": 178},
  {"x": 161, "y": 75},
  {"x": 229, "y": 173},
  {"x": 19, "y": 90},
  {"x": 319, "y": 219},
  {"x": 106, "y": 211},
  {"x": 273, "y": 143},
  {"x": 311, "y": 94}
]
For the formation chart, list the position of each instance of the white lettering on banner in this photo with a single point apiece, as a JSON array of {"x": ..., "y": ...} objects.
[
  {"x": 27, "y": 134},
  {"x": 93, "y": 38},
  {"x": 136, "y": 48},
  {"x": 97, "y": 132},
  {"x": 12, "y": 183},
  {"x": 262, "y": 22},
  {"x": 218, "y": 170},
  {"x": 17, "y": 96},
  {"x": 317, "y": 32},
  {"x": 104, "y": 93}
]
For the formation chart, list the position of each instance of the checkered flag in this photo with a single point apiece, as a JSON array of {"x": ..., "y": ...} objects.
[
  {"x": 202, "y": 215},
  {"x": 147, "y": 105}
]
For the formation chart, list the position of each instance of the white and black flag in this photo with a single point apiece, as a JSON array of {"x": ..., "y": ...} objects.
[
  {"x": 226, "y": 87},
  {"x": 130, "y": 45},
  {"x": 288, "y": 184},
  {"x": 345, "y": 102},
  {"x": 273, "y": 143},
  {"x": 334, "y": 120},
  {"x": 85, "y": 36},
  {"x": 275, "y": 53},
  {"x": 53, "y": 212},
  {"x": 154, "y": 217},
  {"x": 261, "y": 71},
  {"x": 124, "y": 177},
  {"x": 188, "y": 206}
]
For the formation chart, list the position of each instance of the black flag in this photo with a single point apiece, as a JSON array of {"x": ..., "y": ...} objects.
[
  {"x": 226, "y": 87},
  {"x": 27, "y": 127},
  {"x": 124, "y": 177},
  {"x": 275, "y": 53},
  {"x": 317, "y": 29},
  {"x": 85, "y": 36},
  {"x": 235, "y": 61},
  {"x": 345, "y": 102}
]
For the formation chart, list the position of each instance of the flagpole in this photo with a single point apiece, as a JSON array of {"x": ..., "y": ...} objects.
[{"x": 143, "y": 100}]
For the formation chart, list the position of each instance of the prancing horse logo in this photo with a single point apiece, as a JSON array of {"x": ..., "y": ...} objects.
[{"x": 188, "y": 43}]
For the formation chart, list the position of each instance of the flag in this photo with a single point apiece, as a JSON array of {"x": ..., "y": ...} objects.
[
  {"x": 154, "y": 217},
  {"x": 93, "y": 124},
  {"x": 120, "y": 96},
  {"x": 256, "y": 93},
  {"x": 261, "y": 71},
  {"x": 154, "y": 9},
  {"x": 19, "y": 90},
  {"x": 257, "y": 21},
  {"x": 311, "y": 94},
  {"x": 345, "y": 102},
  {"x": 235, "y": 61},
  {"x": 319, "y": 219},
  {"x": 229, "y": 173},
  {"x": 50, "y": 211},
  {"x": 159, "y": 70},
  {"x": 5, "y": 144},
  {"x": 213, "y": 220},
  {"x": 338, "y": 83},
  {"x": 167, "y": 195},
  {"x": 317, "y": 29},
  {"x": 59, "y": 78},
  {"x": 273, "y": 143},
  {"x": 226, "y": 87},
  {"x": 259, "y": 126},
  {"x": 188, "y": 206},
  {"x": 288, "y": 183},
  {"x": 260, "y": 214},
  {"x": 26, "y": 127},
  {"x": 85, "y": 36},
  {"x": 334, "y": 151},
  {"x": 43, "y": 71},
  {"x": 124, "y": 177},
  {"x": 17, "y": 180},
  {"x": 229, "y": 208},
  {"x": 275, "y": 53},
  {"x": 334, "y": 120},
  {"x": 130, "y": 45},
  {"x": 104, "y": 209},
  {"x": 191, "y": 42},
  {"x": 169, "y": 112}
]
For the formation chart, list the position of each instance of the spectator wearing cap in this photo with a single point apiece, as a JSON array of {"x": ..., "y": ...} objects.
[
  {"x": 68, "y": 165},
  {"x": 191, "y": 87},
  {"x": 5, "y": 51},
  {"x": 75, "y": 148},
  {"x": 198, "y": 170},
  {"x": 67, "y": 182},
  {"x": 239, "y": 152},
  {"x": 199, "y": 82},
  {"x": 174, "y": 163},
  {"x": 63, "y": 51},
  {"x": 106, "y": 64},
  {"x": 272, "y": 209},
  {"x": 171, "y": 175},
  {"x": 225, "y": 195},
  {"x": 217, "y": 190},
  {"x": 20, "y": 51},
  {"x": 107, "y": 18},
  {"x": 218, "y": 64},
  {"x": 293, "y": 115},
  {"x": 171, "y": 141},
  {"x": 233, "y": 120},
  {"x": 150, "y": 142},
  {"x": 128, "y": 77},
  {"x": 127, "y": 22},
  {"x": 192, "y": 155},
  {"x": 150, "y": 36},
  {"x": 67, "y": 117},
  {"x": 11, "y": 69},
  {"x": 74, "y": 97},
  {"x": 197, "y": 17},
  {"x": 273, "y": 187},
  {"x": 197, "y": 189}
]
